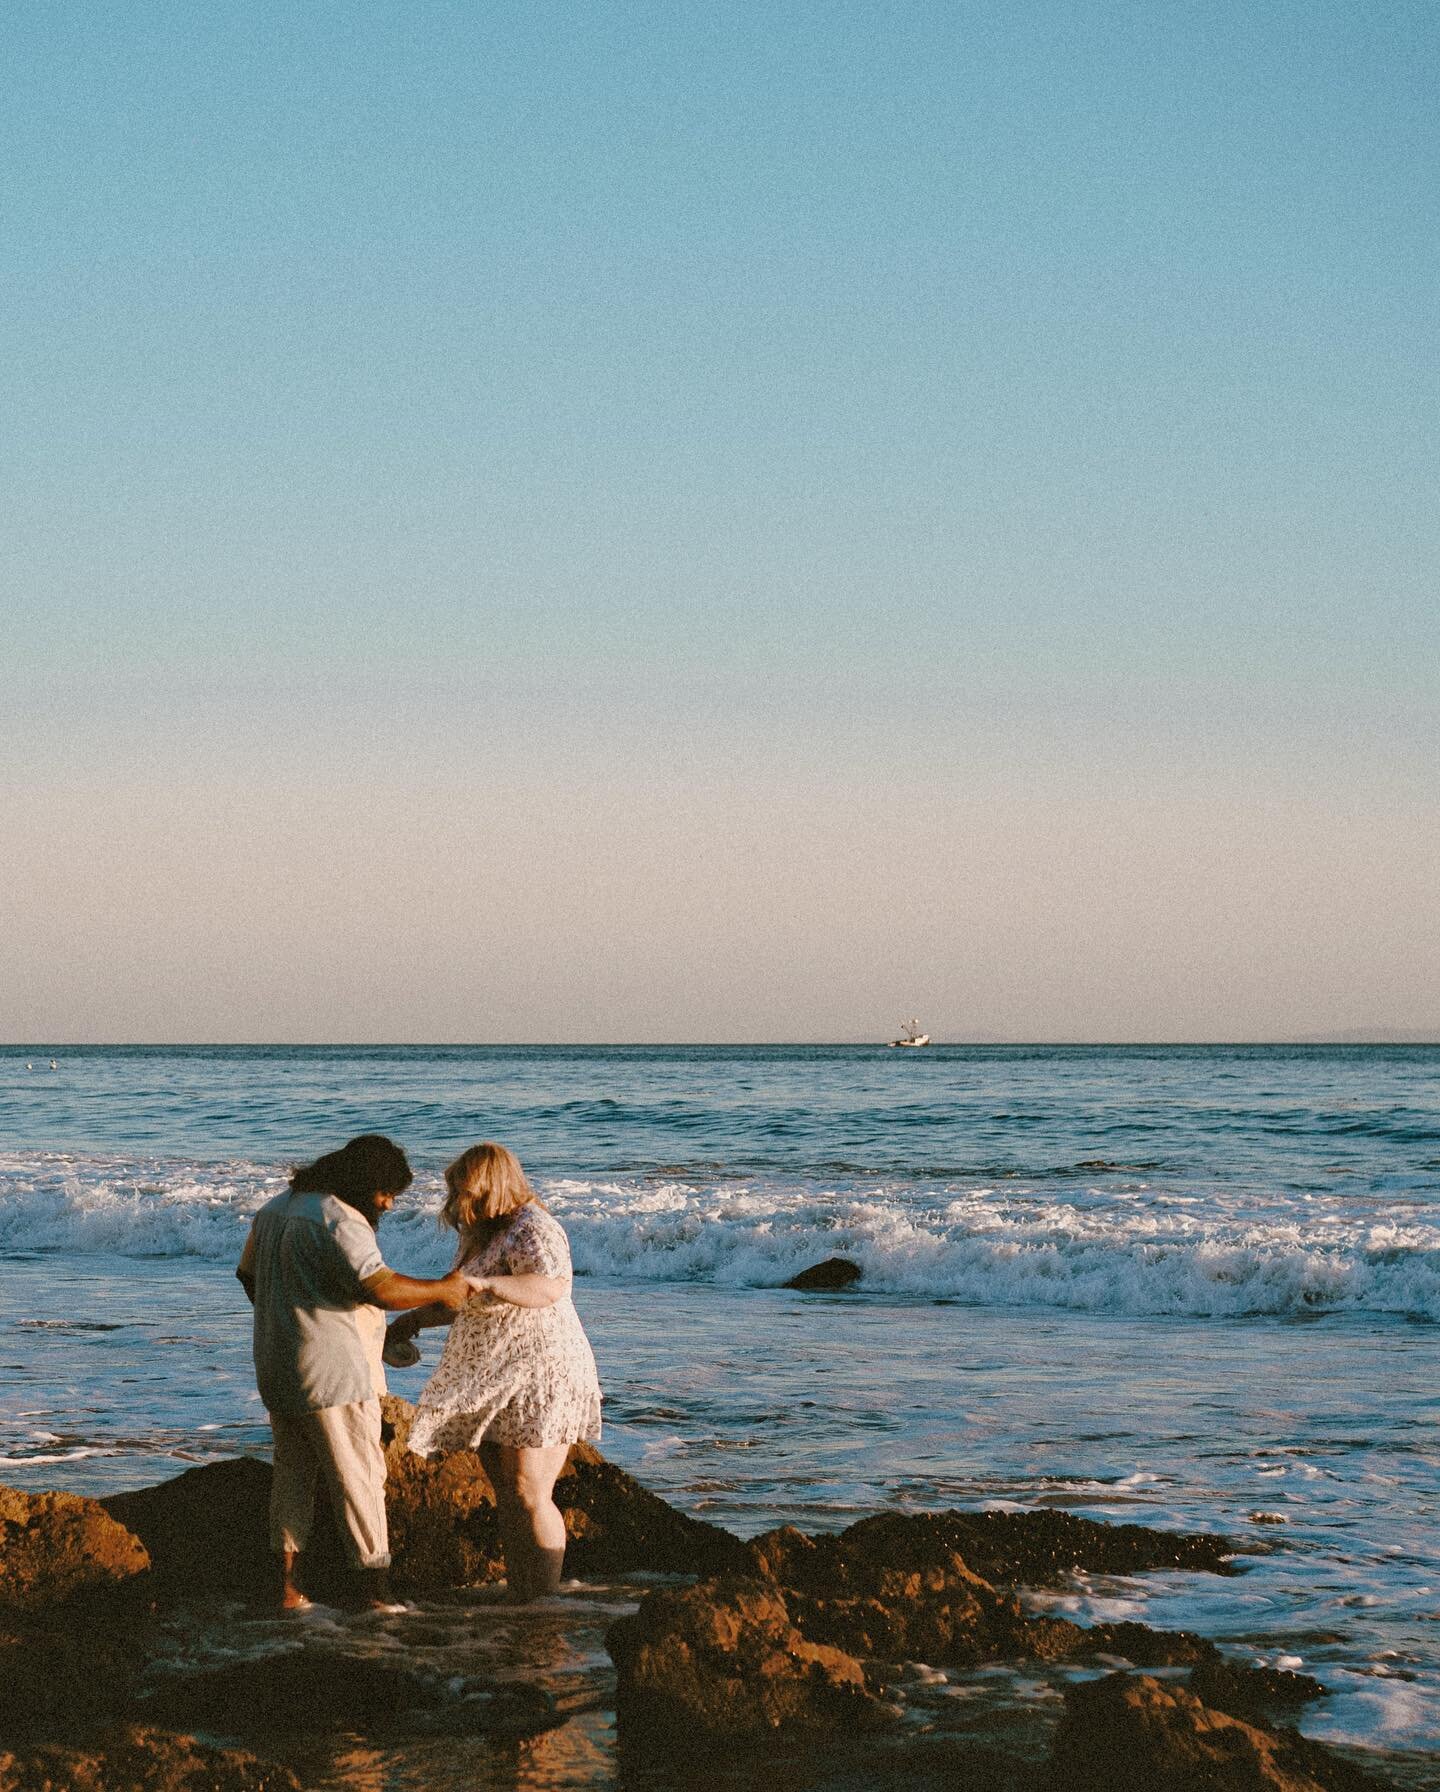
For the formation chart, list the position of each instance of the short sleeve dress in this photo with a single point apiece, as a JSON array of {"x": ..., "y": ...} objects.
[{"x": 513, "y": 1375}]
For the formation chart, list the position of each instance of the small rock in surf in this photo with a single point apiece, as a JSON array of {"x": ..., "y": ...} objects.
[{"x": 834, "y": 1272}]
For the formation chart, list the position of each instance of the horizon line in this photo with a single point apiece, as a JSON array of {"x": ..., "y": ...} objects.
[{"x": 1374, "y": 1037}]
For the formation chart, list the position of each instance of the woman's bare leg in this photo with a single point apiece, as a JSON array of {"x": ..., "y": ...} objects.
[{"x": 531, "y": 1527}]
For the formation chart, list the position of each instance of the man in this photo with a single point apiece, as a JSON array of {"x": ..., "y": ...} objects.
[{"x": 320, "y": 1288}]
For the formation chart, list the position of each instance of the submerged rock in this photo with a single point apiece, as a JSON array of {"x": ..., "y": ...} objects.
[
  {"x": 138, "y": 1760},
  {"x": 725, "y": 1659},
  {"x": 1131, "y": 1733},
  {"x": 325, "y": 1688},
  {"x": 56, "y": 1545},
  {"x": 834, "y": 1272}
]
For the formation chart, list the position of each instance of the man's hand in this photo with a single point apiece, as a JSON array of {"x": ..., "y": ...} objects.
[{"x": 454, "y": 1290}]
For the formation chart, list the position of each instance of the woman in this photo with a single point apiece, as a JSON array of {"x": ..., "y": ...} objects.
[{"x": 516, "y": 1380}]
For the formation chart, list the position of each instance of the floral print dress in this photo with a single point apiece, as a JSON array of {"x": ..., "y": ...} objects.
[{"x": 513, "y": 1375}]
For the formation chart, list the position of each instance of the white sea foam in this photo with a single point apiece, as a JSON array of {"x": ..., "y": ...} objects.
[{"x": 1127, "y": 1251}]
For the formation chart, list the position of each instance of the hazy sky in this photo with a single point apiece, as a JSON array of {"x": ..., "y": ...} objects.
[{"x": 625, "y": 521}]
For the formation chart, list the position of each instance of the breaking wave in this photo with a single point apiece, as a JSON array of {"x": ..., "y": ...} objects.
[{"x": 1122, "y": 1249}]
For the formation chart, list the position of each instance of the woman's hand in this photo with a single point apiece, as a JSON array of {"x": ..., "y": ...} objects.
[{"x": 524, "y": 1289}]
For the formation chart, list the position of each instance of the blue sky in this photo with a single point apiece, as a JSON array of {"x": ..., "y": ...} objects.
[{"x": 948, "y": 417}]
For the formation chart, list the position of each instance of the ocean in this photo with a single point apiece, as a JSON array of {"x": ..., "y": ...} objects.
[{"x": 1184, "y": 1286}]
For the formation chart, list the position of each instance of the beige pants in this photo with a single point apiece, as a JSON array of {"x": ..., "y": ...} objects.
[{"x": 342, "y": 1443}]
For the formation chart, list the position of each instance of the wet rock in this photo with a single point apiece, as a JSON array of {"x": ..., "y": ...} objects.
[
  {"x": 616, "y": 1526},
  {"x": 834, "y": 1272},
  {"x": 1255, "y": 1694},
  {"x": 137, "y": 1760},
  {"x": 906, "y": 1601},
  {"x": 320, "y": 1688},
  {"x": 54, "y": 1546},
  {"x": 724, "y": 1659},
  {"x": 1147, "y": 1648},
  {"x": 1038, "y": 1549},
  {"x": 1131, "y": 1733}
]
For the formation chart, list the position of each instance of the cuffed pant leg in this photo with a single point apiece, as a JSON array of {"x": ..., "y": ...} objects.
[
  {"x": 346, "y": 1439},
  {"x": 292, "y": 1488}
]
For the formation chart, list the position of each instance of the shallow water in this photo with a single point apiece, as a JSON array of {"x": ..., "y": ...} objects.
[{"x": 1229, "y": 1326}]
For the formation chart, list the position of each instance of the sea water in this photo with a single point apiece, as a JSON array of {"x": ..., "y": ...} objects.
[{"x": 1185, "y": 1286}]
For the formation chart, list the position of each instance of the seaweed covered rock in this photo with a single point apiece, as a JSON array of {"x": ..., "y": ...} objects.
[
  {"x": 1132, "y": 1733},
  {"x": 1037, "y": 1549},
  {"x": 725, "y": 1659},
  {"x": 139, "y": 1760},
  {"x": 54, "y": 1546},
  {"x": 896, "y": 1588}
]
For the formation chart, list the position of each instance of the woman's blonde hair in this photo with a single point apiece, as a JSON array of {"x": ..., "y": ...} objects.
[{"x": 485, "y": 1183}]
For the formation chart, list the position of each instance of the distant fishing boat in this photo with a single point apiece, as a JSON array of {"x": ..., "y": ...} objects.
[{"x": 910, "y": 1034}]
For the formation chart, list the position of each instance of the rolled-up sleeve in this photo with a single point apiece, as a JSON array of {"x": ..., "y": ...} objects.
[{"x": 356, "y": 1242}]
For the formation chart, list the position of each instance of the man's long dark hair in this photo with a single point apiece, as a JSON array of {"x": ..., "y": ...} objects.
[{"x": 368, "y": 1166}]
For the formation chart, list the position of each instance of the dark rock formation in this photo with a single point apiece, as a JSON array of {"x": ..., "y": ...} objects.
[
  {"x": 1040, "y": 1549},
  {"x": 891, "y": 1589},
  {"x": 834, "y": 1272},
  {"x": 136, "y": 1760},
  {"x": 56, "y": 1545},
  {"x": 1131, "y": 1733},
  {"x": 1147, "y": 1648},
  {"x": 616, "y": 1526},
  {"x": 725, "y": 1659},
  {"x": 908, "y": 1601},
  {"x": 1255, "y": 1694},
  {"x": 896, "y": 1587}
]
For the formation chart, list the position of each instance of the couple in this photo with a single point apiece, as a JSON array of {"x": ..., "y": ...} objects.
[{"x": 516, "y": 1380}]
